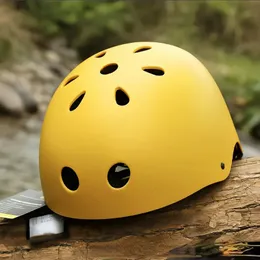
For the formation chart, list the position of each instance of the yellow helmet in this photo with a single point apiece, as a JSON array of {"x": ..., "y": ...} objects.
[{"x": 132, "y": 129}]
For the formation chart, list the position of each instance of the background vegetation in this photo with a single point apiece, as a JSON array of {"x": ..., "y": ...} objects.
[{"x": 225, "y": 35}]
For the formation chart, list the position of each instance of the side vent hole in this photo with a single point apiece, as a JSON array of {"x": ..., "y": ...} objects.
[
  {"x": 70, "y": 80},
  {"x": 77, "y": 101},
  {"x": 101, "y": 54},
  {"x": 118, "y": 175},
  {"x": 122, "y": 98},
  {"x": 237, "y": 154},
  {"x": 141, "y": 49},
  {"x": 155, "y": 71},
  {"x": 70, "y": 178},
  {"x": 108, "y": 69},
  {"x": 222, "y": 165}
]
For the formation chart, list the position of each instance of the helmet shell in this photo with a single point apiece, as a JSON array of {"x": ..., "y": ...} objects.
[{"x": 149, "y": 106}]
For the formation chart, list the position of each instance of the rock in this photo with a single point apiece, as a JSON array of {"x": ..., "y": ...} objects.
[
  {"x": 52, "y": 57},
  {"x": 28, "y": 66},
  {"x": 10, "y": 101},
  {"x": 31, "y": 125},
  {"x": 40, "y": 70},
  {"x": 29, "y": 102},
  {"x": 44, "y": 73},
  {"x": 56, "y": 70},
  {"x": 8, "y": 77},
  {"x": 60, "y": 47},
  {"x": 22, "y": 87}
]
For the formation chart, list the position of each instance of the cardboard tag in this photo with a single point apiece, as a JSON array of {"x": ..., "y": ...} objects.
[
  {"x": 46, "y": 227},
  {"x": 21, "y": 204}
]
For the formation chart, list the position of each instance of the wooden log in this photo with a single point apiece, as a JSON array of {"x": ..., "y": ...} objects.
[{"x": 223, "y": 218}]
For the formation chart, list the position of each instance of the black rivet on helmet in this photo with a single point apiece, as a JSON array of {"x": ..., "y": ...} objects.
[
  {"x": 71, "y": 79},
  {"x": 108, "y": 69},
  {"x": 122, "y": 98},
  {"x": 118, "y": 175},
  {"x": 154, "y": 71},
  {"x": 222, "y": 165},
  {"x": 77, "y": 101},
  {"x": 70, "y": 178},
  {"x": 143, "y": 48}
]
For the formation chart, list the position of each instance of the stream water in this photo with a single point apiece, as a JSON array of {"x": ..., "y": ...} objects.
[{"x": 19, "y": 156}]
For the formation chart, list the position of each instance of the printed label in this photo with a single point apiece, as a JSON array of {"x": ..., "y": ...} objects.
[{"x": 21, "y": 204}]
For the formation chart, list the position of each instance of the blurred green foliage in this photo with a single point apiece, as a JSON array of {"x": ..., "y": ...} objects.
[
  {"x": 225, "y": 35},
  {"x": 15, "y": 40},
  {"x": 87, "y": 26}
]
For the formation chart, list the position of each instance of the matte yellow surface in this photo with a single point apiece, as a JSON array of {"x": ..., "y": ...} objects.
[{"x": 173, "y": 134}]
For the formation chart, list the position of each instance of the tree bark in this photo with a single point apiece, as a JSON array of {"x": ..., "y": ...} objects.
[{"x": 223, "y": 218}]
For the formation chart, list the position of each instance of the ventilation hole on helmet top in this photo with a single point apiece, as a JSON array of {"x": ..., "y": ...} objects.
[
  {"x": 155, "y": 71},
  {"x": 144, "y": 48},
  {"x": 71, "y": 79},
  {"x": 118, "y": 175},
  {"x": 110, "y": 68},
  {"x": 70, "y": 178},
  {"x": 101, "y": 54},
  {"x": 77, "y": 101},
  {"x": 222, "y": 165},
  {"x": 122, "y": 98}
]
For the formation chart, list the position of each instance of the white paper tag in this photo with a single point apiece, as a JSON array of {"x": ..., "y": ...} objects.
[{"x": 46, "y": 225}]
